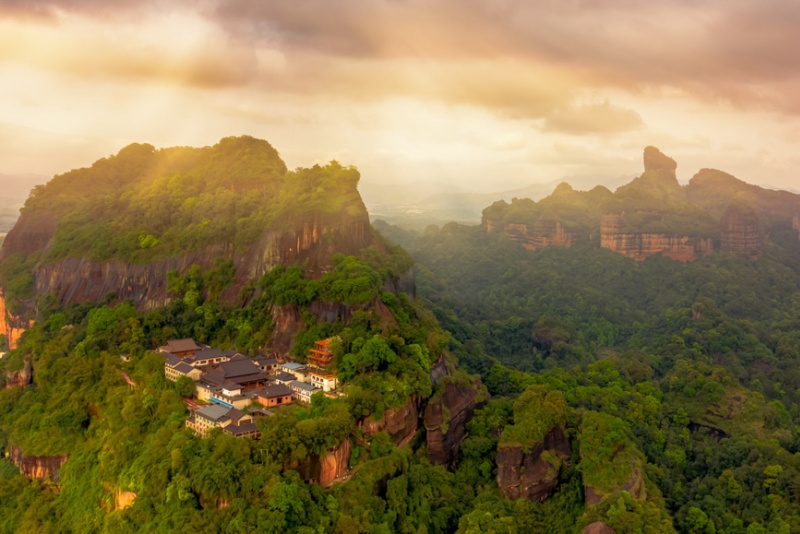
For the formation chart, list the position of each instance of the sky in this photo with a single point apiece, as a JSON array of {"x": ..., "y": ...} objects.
[{"x": 487, "y": 95}]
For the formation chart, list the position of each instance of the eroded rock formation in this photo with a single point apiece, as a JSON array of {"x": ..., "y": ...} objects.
[
  {"x": 740, "y": 233},
  {"x": 598, "y": 527},
  {"x": 543, "y": 233},
  {"x": 21, "y": 378},
  {"x": 446, "y": 418},
  {"x": 529, "y": 474},
  {"x": 38, "y": 467},
  {"x": 310, "y": 241},
  {"x": 400, "y": 423},
  {"x": 10, "y": 326},
  {"x": 635, "y": 485},
  {"x": 641, "y": 246},
  {"x": 325, "y": 470}
]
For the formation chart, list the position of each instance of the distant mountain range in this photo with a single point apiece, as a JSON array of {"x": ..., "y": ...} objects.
[{"x": 418, "y": 204}]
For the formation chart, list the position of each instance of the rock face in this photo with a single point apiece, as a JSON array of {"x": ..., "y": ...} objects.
[
  {"x": 740, "y": 233},
  {"x": 38, "y": 467},
  {"x": 10, "y": 326},
  {"x": 634, "y": 485},
  {"x": 446, "y": 422},
  {"x": 533, "y": 237},
  {"x": 326, "y": 470},
  {"x": 655, "y": 160},
  {"x": 21, "y": 378},
  {"x": 528, "y": 475},
  {"x": 641, "y": 246},
  {"x": 288, "y": 322},
  {"x": 400, "y": 423},
  {"x": 598, "y": 527},
  {"x": 310, "y": 241}
]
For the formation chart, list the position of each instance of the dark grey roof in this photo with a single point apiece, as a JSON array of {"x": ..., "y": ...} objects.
[
  {"x": 285, "y": 377},
  {"x": 263, "y": 360},
  {"x": 180, "y": 345},
  {"x": 172, "y": 360},
  {"x": 303, "y": 385},
  {"x": 234, "y": 414},
  {"x": 207, "y": 354},
  {"x": 276, "y": 390},
  {"x": 237, "y": 368},
  {"x": 184, "y": 368},
  {"x": 215, "y": 412},
  {"x": 243, "y": 428}
]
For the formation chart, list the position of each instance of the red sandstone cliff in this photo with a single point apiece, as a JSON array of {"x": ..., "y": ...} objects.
[
  {"x": 740, "y": 232},
  {"x": 529, "y": 475},
  {"x": 598, "y": 527},
  {"x": 400, "y": 423},
  {"x": 10, "y": 326},
  {"x": 39, "y": 467},
  {"x": 327, "y": 469},
  {"x": 533, "y": 237},
  {"x": 634, "y": 485},
  {"x": 309, "y": 241},
  {"x": 21, "y": 378},
  {"x": 446, "y": 418},
  {"x": 641, "y": 246}
]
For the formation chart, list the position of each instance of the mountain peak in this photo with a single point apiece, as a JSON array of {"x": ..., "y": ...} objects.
[{"x": 655, "y": 160}]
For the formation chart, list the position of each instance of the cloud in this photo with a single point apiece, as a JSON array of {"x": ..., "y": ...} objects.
[{"x": 592, "y": 119}]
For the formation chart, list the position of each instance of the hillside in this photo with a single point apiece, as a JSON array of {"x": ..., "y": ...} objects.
[
  {"x": 653, "y": 214},
  {"x": 119, "y": 226}
]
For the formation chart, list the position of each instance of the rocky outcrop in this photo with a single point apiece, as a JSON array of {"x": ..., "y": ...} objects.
[
  {"x": 598, "y": 527},
  {"x": 640, "y": 246},
  {"x": 536, "y": 236},
  {"x": 635, "y": 486},
  {"x": 38, "y": 467},
  {"x": 400, "y": 423},
  {"x": 288, "y": 321},
  {"x": 446, "y": 418},
  {"x": 529, "y": 474},
  {"x": 309, "y": 241},
  {"x": 740, "y": 233},
  {"x": 325, "y": 470},
  {"x": 10, "y": 326},
  {"x": 655, "y": 160},
  {"x": 21, "y": 378}
]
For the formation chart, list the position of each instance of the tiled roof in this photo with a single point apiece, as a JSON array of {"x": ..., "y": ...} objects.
[
  {"x": 215, "y": 412},
  {"x": 276, "y": 390},
  {"x": 180, "y": 345},
  {"x": 293, "y": 365},
  {"x": 303, "y": 385},
  {"x": 184, "y": 368},
  {"x": 237, "y": 368},
  {"x": 285, "y": 377},
  {"x": 208, "y": 354},
  {"x": 172, "y": 360}
]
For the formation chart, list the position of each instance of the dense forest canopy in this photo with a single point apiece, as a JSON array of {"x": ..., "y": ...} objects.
[{"x": 142, "y": 204}]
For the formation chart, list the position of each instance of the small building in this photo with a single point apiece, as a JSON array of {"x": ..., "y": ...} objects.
[
  {"x": 321, "y": 354},
  {"x": 284, "y": 378},
  {"x": 230, "y": 420},
  {"x": 268, "y": 365},
  {"x": 275, "y": 395},
  {"x": 181, "y": 347},
  {"x": 323, "y": 379},
  {"x": 207, "y": 357},
  {"x": 175, "y": 367},
  {"x": 299, "y": 370},
  {"x": 241, "y": 371},
  {"x": 302, "y": 391}
]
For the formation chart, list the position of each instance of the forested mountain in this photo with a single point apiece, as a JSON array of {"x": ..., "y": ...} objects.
[
  {"x": 696, "y": 364},
  {"x": 610, "y": 392}
]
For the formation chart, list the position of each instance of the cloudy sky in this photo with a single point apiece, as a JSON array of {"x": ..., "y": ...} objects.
[{"x": 487, "y": 94}]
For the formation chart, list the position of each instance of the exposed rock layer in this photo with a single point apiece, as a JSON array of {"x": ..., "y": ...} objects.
[
  {"x": 446, "y": 421},
  {"x": 641, "y": 246},
  {"x": 400, "y": 423},
  {"x": 533, "y": 237},
  {"x": 740, "y": 234},
  {"x": 325, "y": 470},
  {"x": 21, "y": 378},
  {"x": 10, "y": 326},
  {"x": 598, "y": 527},
  {"x": 527, "y": 475},
  {"x": 38, "y": 467}
]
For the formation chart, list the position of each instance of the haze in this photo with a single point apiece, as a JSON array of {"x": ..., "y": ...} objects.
[{"x": 487, "y": 95}]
